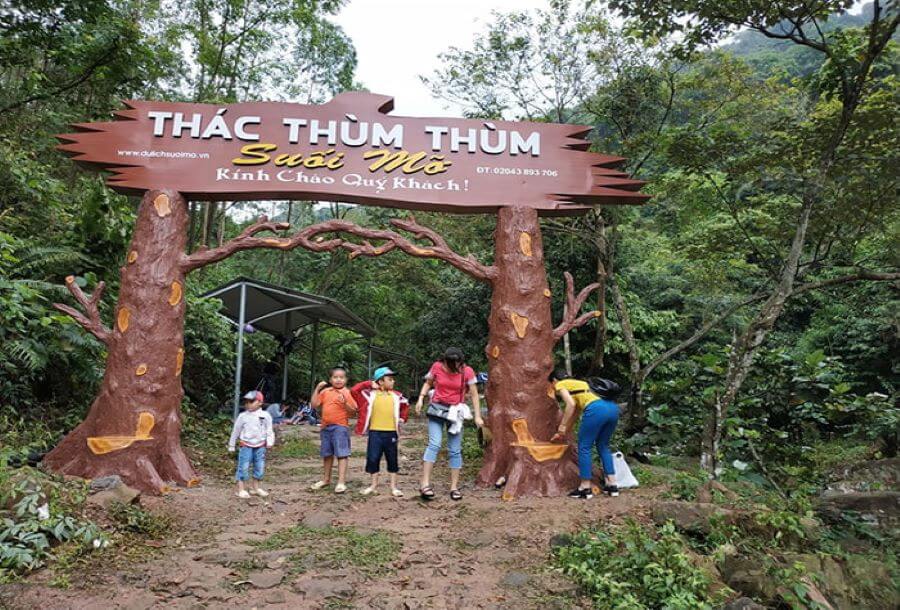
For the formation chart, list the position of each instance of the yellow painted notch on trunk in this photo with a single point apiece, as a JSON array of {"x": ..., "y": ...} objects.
[
  {"x": 106, "y": 444},
  {"x": 539, "y": 450},
  {"x": 525, "y": 243},
  {"x": 179, "y": 361},
  {"x": 141, "y": 370},
  {"x": 547, "y": 292},
  {"x": 175, "y": 294},
  {"x": 495, "y": 352},
  {"x": 123, "y": 318},
  {"x": 161, "y": 203},
  {"x": 520, "y": 323},
  {"x": 132, "y": 256}
]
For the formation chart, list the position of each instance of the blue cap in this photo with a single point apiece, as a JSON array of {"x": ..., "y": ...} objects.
[
  {"x": 481, "y": 378},
  {"x": 382, "y": 371}
]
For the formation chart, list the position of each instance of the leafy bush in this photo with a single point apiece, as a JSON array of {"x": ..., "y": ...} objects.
[
  {"x": 36, "y": 519},
  {"x": 133, "y": 519},
  {"x": 629, "y": 569}
]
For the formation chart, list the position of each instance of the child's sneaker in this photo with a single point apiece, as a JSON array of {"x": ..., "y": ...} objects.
[
  {"x": 583, "y": 494},
  {"x": 242, "y": 494},
  {"x": 340, "y": 488},
  {"x": 611, "y": 490},
  {"x": 259, "y": 491},
  {"x": 368, "y": 491},
  {"x": 396, "y": 493},
  {"x": 318, "y": 485}
]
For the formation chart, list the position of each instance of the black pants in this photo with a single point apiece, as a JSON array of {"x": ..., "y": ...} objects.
[{"x": 381, "y": 443}]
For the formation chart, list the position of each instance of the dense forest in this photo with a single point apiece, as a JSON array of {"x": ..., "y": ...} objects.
[{"x": 750, "y": 307}]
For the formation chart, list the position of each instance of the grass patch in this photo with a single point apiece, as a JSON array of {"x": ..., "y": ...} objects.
[
  {"x": 299, "y": 448},
  {"x": 648, "y": 476},
  {"x": 336, "y": 546},
  {"x": 633, "y": 568},
  {"x": 206, "y": 439},
  {"x": 133, "y": 519}
]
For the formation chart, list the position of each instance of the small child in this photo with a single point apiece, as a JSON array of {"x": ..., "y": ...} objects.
[
  {"x": 337, "y": 405},
  {"x": 381, "y": 410},
  {"x": 253, "y": 432}
]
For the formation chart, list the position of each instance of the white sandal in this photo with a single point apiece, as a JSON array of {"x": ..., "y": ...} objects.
[
  {"x": 368, "y": 491},
  {"x": 242, "y": 494},
  {"x": 396, "y": 493},
  {"x": 340, "y": 488},
  {"x": 318, "y": 485}
]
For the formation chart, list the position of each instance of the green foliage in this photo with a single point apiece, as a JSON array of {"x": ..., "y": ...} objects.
[
  {"x": 134, "y": 519},
  {"x": 38, "y": 515},
  {"x": 298, "y": 448},
  {"x": 337, "y": 546},
  {"x": 632, "y": 568}
]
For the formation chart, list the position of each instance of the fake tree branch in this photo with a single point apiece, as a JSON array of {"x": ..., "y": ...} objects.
[
  {"x": 573, "y": 306},
  {"x": 312, "y": 238},
  {"x": 91, "y": 322}
]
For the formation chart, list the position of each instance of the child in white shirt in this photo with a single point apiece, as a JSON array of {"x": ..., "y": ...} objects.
[{"x": 253, "y": 432}]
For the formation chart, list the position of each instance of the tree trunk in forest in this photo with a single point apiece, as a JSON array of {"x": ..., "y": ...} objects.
[
  {"x": 596, "y": 367},
  {"x": 636, "y": 417},
  {"x": 143, "y": 368},
  {"x": 520, "y": 358}
]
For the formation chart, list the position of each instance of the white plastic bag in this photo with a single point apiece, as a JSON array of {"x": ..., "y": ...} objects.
[{"x": 624, "y": 478}]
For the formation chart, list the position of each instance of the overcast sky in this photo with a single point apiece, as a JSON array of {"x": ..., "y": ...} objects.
[{"x": 399, "y": 40}]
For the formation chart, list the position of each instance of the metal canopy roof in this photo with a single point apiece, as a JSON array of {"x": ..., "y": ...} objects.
[{"x": 278, "y": 310}]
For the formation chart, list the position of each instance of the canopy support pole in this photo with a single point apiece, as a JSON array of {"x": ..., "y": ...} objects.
[
  {"x": 284, "y": 362},
  {"x": 312, "y": 358},
  {"x": 242, "y": 312}
]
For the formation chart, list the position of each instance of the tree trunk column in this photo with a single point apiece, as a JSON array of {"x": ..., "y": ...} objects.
[
  {"x": 143, "y": 369},
  {"x": 520, "y": 358}
]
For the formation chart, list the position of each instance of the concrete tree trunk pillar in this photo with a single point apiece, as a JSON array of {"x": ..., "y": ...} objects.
[
  {"x": 133, "y": 427},
  {"x": 520, "y": 358}
]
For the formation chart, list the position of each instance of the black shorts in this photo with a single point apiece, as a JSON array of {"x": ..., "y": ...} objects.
[{"x": 381, "y": 443}]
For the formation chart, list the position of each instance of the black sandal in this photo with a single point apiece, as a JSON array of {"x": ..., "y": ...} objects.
[
  {"x": 455, "y": 495},
  {"x": 427, "y": 493}
]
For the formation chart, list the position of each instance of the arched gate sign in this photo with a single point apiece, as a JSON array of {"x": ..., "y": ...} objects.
[{"x": 349, "y": 149}]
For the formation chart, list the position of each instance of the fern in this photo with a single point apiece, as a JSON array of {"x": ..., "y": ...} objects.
[
  {"x": 35, "y": 259},
  {"x": 26, "y": 353}
]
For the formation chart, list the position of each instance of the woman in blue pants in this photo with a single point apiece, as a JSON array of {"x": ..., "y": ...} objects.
[{"x": 600, "y": 415}]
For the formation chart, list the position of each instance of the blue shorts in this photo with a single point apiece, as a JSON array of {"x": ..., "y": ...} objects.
[{"x": 335, "y": 441}]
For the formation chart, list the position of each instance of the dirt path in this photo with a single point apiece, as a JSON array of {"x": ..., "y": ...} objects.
[{"x": 306, "y": 549}]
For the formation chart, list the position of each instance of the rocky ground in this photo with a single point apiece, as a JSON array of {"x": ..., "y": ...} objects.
[{"x": 305, "y": 549}]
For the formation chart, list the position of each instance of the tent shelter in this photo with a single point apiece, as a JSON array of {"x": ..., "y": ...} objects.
[{"x": 282, "y": 312}]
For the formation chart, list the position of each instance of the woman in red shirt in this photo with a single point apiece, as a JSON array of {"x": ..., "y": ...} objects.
[{"x": 451, "y": 379}]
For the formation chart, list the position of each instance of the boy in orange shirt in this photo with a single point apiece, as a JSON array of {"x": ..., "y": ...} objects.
[{"x": 337, "y": 405}]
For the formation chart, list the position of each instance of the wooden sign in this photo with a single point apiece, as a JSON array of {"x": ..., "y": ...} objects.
[{"x": 350, "y": 149}]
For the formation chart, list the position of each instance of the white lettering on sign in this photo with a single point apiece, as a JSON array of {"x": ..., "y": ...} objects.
[{"x": 350, "y": 132}]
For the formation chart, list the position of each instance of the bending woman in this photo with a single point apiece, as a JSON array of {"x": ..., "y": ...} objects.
[
  {"x": 450, "y": 378},
  {"x": 599, "y": 419}
]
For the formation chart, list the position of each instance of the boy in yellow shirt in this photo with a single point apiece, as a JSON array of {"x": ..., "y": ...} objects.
[{"x": 381, "y": 409}]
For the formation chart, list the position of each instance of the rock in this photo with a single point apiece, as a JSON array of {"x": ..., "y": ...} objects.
[
  {"x": 275, "y": 597},
  {"x": 323, "y": 589},
  {"x": 691, "y": 516},
  {"x": 708, "y": 491},
  {"x": 226, "y": 557},
  {"x": 318, "y": 520},
  {"x": 754, "y": 583},
  {"x": 143, "y": 601},
  {"x": 742, "y": 603},
  {"x": 107, "y": 482},
  {"x": 558, "y": 541},
  {"x": 880, "y": 508},
  {"x": 870, "y": 476},
  {"x": 265, "y": 579},
  {"x": 119, "y": 493},
  {"x": 514, "y": 579}
]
